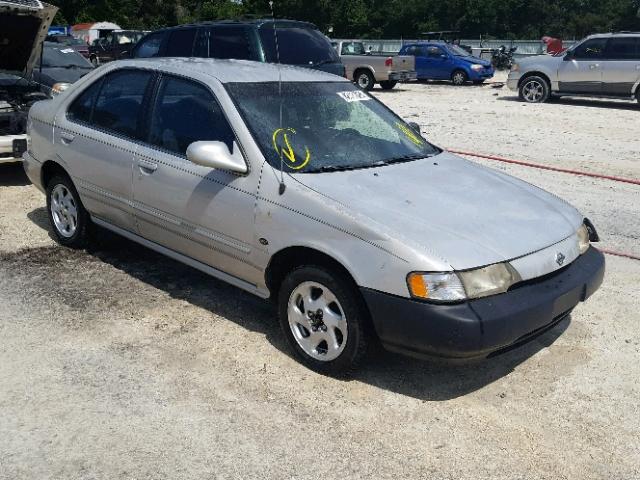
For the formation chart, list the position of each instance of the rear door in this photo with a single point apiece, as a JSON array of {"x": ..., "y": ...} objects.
[
  {"x": 621, "y": 66},
  {"x": 96, "y": 139},
  {"x": 582, "y": 70},
  {"x": 200, "y": 212}
]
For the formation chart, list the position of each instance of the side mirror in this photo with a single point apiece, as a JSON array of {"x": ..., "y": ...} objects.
[
  {"x": 568, "y": 56},
  {"x": 443, "y": 56},
  {"x": 415, "y": 127},
  {"x": 216, "y": 155}
]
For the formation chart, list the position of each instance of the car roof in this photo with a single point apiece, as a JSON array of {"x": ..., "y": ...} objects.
[
  {"x": 615, "y": 34},
  {"x": 258, "y": 22},
  {"x": 230, "y": 71}
]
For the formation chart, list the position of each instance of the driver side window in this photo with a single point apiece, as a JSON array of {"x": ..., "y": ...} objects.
[
  {"x": 434, "y": 52},
  {"x": 591, "y": 49}
]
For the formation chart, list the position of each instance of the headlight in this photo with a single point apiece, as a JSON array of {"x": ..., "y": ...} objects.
[
  {"x": 515, "y": 67},
  {"x": 476, "y": 67},
  {"x": 442, "y": 287},
  {"x": 58, "y": 88},
  {"x": 455, "y": 287},
  {"x": 583, "y": 239},
  {"x": 490, "y": 280}
]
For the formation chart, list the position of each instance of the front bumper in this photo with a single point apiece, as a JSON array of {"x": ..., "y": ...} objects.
[
  {"x": 12, "y": 147},
  {"x": 477, "y": 328},
  {"x": 513, "y": 80},
  {"x": 406, "y": 76},
  {"x": 484, "y": 74}
]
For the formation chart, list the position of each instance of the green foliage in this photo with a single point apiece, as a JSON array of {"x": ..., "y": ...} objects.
[{"x": 378, "y": 18}]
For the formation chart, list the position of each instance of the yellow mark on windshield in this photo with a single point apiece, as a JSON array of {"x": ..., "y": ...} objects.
[
  {"x": 286, "y": 151},
  {"x": 410, "y": 134}
]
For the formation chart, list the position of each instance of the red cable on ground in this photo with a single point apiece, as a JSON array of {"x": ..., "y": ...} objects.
[
  {"x": 618, "y": 254},
  {"x": 633, "y": 181}
]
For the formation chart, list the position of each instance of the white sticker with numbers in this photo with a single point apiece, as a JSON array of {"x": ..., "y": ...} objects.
[{"x": 354, "y": 96}]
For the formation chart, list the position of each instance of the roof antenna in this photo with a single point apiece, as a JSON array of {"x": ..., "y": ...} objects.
[{"x": 282, "y": 187}]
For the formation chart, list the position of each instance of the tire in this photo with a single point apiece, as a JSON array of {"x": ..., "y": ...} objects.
[
  {"x": 69, "y": 220},
  {"x": 638, "y": 95},
  {"x": 336, "y": 347},
  {"x": 534, "y": 89},
  {"x": 94, "y": 61},
  {"x": 388, "y": 84},
  {"x": 459, "y": 77},
  {"x": 364, "y": 80}
]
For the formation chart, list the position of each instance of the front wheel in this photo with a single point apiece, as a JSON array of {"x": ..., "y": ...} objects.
[
  {"x": 94, "y": 60},
  {"x": 365, "y": 80},
  {"x": 69, "y": 219},
  {"x": 324, "y": 320},
  {"x": 388, "y": 84},
  {"x": 534, "y": 90},
  {"x": 459, "y": 77}
]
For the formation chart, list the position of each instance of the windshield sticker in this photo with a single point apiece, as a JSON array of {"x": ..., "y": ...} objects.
[
  {"x": 410, "y": 134},
  {"x": 354, "y": 96},
  {"x": 282, "y": 144},
  {"x": 67, "y": 50}
]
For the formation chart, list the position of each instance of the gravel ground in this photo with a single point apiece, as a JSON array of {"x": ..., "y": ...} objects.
[{"x": 119, "y": 363}]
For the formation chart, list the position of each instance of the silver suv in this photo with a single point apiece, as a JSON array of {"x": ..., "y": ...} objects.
[
  {"x": 605, "y": 65},
  {"x": 295, "y": 184}
]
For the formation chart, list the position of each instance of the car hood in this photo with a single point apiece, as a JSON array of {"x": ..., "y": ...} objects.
[
  {"x": 540, "y": 60},
  {"x": 23, "y": 28},
  {"x": 466, "y": 214}
]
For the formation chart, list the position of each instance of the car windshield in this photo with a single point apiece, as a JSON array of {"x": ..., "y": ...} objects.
[
  {"x": 296, "y": 46},
  {"x": 457, "y": 51},
  {"x": 63, "y": 57},
  {"x": 325, "y": 126}
]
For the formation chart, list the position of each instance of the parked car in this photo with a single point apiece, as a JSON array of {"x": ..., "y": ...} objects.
[
  {"x": 366, "y": 69},
  {"x": 61, "y": 66},
  {"x": 284, "y": 182},
  {"x": 23, "y": 28},
  {"x": 114, "y": 46},
  {"x": 445, "y": 61},
  {"x": 604, "y": 65},
  {"x": 78, "y": 45},
  {"x": 298, "y": 43}
]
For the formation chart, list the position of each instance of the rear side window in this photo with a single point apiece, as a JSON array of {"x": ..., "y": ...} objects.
[
  {"x": 119, "y": 104},
  {"x": 297, "y": 46},
  {"x": 180, "y": 43},
  {"x": 623, "y": 48},
  {"x": 150, "y": 46},
  {"x": 82, "y": 107},
  {"x": 230, "y": 42},
  {"x": 187, "y": 112},
  {"x": 590, "y": 49}
]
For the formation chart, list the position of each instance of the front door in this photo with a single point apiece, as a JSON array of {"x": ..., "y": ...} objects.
[
  {"x": 582, "y": 69},
  {"x": 621, "y": 66},
  {"x": 200, "y": 212},
  {"x": 438, "y": 64},
  {"x": 97, "y": 138}
]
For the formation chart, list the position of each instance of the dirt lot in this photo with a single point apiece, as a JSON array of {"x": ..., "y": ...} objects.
[{"x": 119, "y": 363}]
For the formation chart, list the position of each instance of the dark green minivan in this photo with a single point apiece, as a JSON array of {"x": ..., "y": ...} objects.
[{"x": 295, "y": 43}]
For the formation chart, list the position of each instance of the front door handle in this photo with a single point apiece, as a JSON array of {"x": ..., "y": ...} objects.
[
  {"x": 594, "y": 66},
  {"x": 67, "y": 138},
  {"x": 147, "y": 167}
]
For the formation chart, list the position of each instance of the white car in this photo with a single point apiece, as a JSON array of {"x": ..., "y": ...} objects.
[{"x": 295, "y": 184}]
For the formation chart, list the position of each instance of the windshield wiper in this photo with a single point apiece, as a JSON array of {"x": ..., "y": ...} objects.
[
  {"x": 406, "y": 158},
  {"x": 334, "y": 168},
  {"x": 322, "y": 62}
]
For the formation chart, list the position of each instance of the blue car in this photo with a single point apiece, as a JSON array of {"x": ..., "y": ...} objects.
[{"x": 445, "y": 61}]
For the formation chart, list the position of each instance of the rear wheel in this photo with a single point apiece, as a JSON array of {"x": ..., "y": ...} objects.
[
  {"x": 68, "y": 218},
  {"x": 388, "y": 84},
  {"x": 459, "y": 77},
  {"x": 324, "y": 320},
  {"x": 94, "y": 60},
  {"x": 534, "y": 90},
  {"x": 365, "y": 80}
]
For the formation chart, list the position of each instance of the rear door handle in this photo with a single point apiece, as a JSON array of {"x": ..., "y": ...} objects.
[
  {"x": 594, "y": 65},
  {"x": 147, "y": 167},
  {"x": 67, "y": 138}
]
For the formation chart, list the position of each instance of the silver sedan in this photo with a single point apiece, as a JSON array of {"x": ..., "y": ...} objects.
[{"x": 297, "y": 186}]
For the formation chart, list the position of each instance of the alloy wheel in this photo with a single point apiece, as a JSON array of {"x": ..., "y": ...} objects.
[
  {"x": 533, "y": 91},
  {"x": 363, "y": 81},
  {"x": 64, "y": 211}
]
